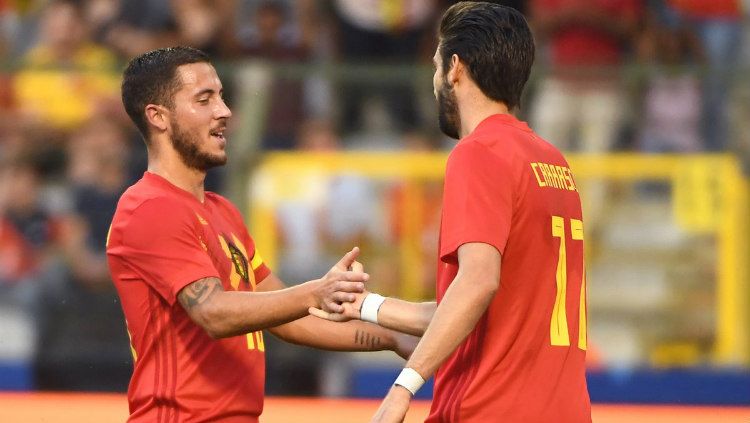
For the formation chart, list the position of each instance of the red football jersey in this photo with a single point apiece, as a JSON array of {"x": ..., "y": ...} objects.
[
  {"x": 524, "y": 360},
  {"x": 162, "y": 239}
]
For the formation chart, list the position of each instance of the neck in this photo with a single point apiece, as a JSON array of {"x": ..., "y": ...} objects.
[
  {"x": 170, "y": 167},
  {"x": 475, "y": 108}
]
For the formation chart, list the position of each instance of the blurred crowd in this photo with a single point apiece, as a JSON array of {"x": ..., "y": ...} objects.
[{"x": 638, "y": 75}]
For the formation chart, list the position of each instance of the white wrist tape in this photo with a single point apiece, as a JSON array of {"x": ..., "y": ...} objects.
[
  {"x": 410, "y": 379},
  {"x": 370, "y": 306}
]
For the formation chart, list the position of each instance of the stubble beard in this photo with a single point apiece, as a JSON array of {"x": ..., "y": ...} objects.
[
  {"x": 188, "y": 147},
  {"x": 448, "y": 118}
]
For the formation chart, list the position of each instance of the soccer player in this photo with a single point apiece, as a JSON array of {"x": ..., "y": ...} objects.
[
  {"x": 507, "y": 335},
  {"x": 194, "y": 290}
]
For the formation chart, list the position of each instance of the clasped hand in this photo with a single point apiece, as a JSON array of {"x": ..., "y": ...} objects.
[{"x": 341, "y": 287}]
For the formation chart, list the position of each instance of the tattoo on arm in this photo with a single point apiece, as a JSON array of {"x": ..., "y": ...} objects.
[
  {"x": 198, "y": 292},
  {"x": 365, "y": 339}
]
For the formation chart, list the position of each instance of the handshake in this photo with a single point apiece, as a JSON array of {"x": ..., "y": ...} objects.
[{"x": 341, "y": 292}]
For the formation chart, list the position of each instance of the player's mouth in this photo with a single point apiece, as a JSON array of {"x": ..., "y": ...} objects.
[{"x": 218, "y": 135}]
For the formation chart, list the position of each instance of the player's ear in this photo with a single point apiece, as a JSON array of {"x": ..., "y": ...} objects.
[
  {"x": 157, "y": 117},
  {"x": 455, "y": 70}
]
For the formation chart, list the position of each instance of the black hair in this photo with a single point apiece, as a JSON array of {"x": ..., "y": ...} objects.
[
  {"x": 151, "y": 78},
  {"x": 494, "y": 42}
]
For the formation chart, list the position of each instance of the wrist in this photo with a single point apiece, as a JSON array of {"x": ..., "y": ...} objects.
[
  {"x": 310, "y": 293},
  {"x": 410, "y": 380},
  {"x": 368, "y": 312},
  {"x": 399, "y": 391}
]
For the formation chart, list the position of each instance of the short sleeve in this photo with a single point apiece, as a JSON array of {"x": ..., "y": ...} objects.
[
  {"x": 163, "y": 244},
  {"x": 259, "y": 266},
  {"x": 477, "y": 200}
]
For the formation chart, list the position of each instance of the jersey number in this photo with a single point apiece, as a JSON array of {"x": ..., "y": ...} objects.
[
  {"x": 255, "y": 341},
  {"x": 558, "y": 329}
]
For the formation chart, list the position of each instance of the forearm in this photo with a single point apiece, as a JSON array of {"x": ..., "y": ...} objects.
[
  {"x": 461, "y": 308},
  {"x": 405, "y": 316},
  {"x": 229, "y": 313},
  {"x": 349, "y": 336},
  {"x": 224, "y": 314}
]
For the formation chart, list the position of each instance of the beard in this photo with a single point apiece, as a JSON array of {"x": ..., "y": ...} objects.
[
  {"x": 448, "y": 119},
  {"x": 187, "y": 145}
]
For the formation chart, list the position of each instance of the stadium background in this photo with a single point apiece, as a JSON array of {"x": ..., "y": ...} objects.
[{"x": 334, "y": 144}]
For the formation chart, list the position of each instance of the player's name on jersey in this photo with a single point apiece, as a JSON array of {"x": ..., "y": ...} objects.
[{"x": 553, "y": 176}]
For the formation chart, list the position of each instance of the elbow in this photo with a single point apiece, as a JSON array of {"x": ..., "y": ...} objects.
[
  {"x": 287, "y": 332},
  {"x": 214, "y": 321},
  {"x": 487, "y": 286},
  {"x": 216, "y": 332}
]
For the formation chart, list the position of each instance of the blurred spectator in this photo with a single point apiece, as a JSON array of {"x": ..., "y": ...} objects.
[
  {"x": 385, "y": 32},
  {"x": 28, "y": 231},
  {"x": 140, "y": 26},
  {"x": 672, "y": 106},
  {"x": 143, "y": 25},
  {"x": 272, "y": 36},
  {"x": 206, "y": 24},
  {"x": 719, "y": 25},
  {"x": 8, "y": 24},
  {"x": 19, "y": 25},
  {"x": 740, "y": 108},
  {"x": 82, "y": 340},
  {"x": 65, "y": 77},
  {"x": 587, "y": 41}
]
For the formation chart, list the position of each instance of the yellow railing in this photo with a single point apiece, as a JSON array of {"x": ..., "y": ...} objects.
[{"x": 710, "y": 195}]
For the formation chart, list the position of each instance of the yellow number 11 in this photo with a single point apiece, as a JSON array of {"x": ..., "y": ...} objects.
[{"x": 558, "y": 329}]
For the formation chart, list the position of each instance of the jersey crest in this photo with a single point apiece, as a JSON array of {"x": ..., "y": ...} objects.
[{"x": 236, "y": 252}]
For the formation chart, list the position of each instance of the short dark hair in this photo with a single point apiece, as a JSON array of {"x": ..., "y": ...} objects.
[
  {"x": 494, "y": 42},
  {"x": 151, "y": 78}
]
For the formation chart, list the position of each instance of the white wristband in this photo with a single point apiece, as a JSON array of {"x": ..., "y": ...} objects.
[
  {"x": 410, "y": 379},
  {"x": 370, "y": 306}
]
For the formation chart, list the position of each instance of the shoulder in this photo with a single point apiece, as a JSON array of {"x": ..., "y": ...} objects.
[
  {"x": 481, "y": 150},
  {"x": 224, "y": 204},
  {"x": 220, "y": 201},
  {"x": 144, "y": 204},
  {"x": 145, "y": 191}
]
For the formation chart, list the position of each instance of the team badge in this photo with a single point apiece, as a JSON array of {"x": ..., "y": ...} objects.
[
  {"x": 235, "y": 251},
  {"x": 239, "y": 261}
]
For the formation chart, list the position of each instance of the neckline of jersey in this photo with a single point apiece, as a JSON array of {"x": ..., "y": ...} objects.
[
  {"x": 160, "y": 180},
  {"x": 503, "y": 118}
]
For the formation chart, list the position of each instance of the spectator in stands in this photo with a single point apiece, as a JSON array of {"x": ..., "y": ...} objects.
[
  {"x": 65, "y": 77},
  {"x": 8, "y": 21},
  {"x": 385, "y": 32},
  {"x": 272, "y": 36},
  {"x": 82, "y": 343},
  {"x": 719, "y": 25},
  {"x": 28, "y": 231},
  {"x": 581, "y": 94},
  {"x": 143, "y": 25},
  {"x": 139, "y": 26},
  {"x": 671, "y": 120}
]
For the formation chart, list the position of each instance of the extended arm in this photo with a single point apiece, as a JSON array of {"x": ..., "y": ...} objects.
[
  {"x": 399, "y": 315},
  {"x": 465, "y": 301},
  {"x": 349, "y": 336},
  {"x": 228, "y": 313},
  {"x": 405, "y": 316}
]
